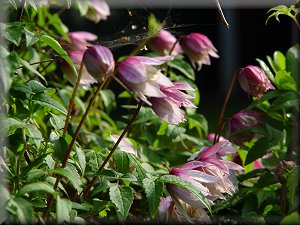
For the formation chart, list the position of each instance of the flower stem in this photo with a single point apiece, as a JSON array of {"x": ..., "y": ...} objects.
[
  {"x": 92, "y": 182},
  {"x": 64, "y": 162},
  {"x": 220, "y": 122},
  {"x": 71, "y": 104}
]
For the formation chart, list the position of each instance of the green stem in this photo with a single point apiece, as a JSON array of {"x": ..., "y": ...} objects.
[
  {"x": 220, "y": 121},
  {"x": 64, "y": 163},
  {"x": 91, "y": 184},
  {"x": 20, "y": 157},
  {"x": 71, "y": 104}
]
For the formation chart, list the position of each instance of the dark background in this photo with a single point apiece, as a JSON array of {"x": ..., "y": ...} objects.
[{"x": 247, "y": 38}]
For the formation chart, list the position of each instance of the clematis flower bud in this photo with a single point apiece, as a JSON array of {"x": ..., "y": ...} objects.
[
  {"x": 283, "y": 169},
  {"x": 80, "y": 39},
  {"x": 199, "y": 49},
  {"x": 253, "y": 80},
  {"x": 98, "y": 10},
  {"x": 211, "y": 137},
  {"x": 99, "y": 61},
  {"x": 163, "y": 43},
  {"x": 241, "y": 120}
]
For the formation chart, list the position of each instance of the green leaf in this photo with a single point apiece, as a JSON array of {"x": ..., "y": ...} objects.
[
  {"x": 284, "y": 81},
  {"x": 32, "y": 4},
  {"x": 139, "y": 168},
  {"x": 13, "y": 3},
  {"x": 63, "y": 209},
  {"x": 60, "y": 148},
  {"x": 13, "y": 32},
  {"x": 258, "y": 150},
  {"x": 35, "y": 134},
  {"x": 34, "y": 174},
  {"x": 272, "y": 64},
  {"x": 285, "y": 101},
  {"x": 293, "y": 62},
  {"x": 154, "y": 190},
  {"x": 57, "y": 47},
  {"x": 57, "y": 122},
  {"x": 10, "y": 125},
  {"x": 82, "y": 6},
  {"x": 108, "y": 98},
  {"x": 73, "y": 178},
  {"x": 122, "y": 197},
  {"x": 122, "y": 162},
  {"x": 292, "y": 182},
  {"x": 31, "y": 69},
  {"x": 81, "y": 159},
  {"x": 45, "y": 100},
  {"x": 279, "y": 60},
  {"x": 266, "y": 69},
  {"x": 171, "y": 179},
  {"x": 22, "y": 209},
  {"x": 30, "y": 37},
  {"x": 154, "y": 25},
  {"x": 199, "y": 122},
  {"x": 263, "y": 195},
  {"x": 293, "y": 218},
  {"x": 36, "y": 187},
  {"x": 184, "y": 67}
]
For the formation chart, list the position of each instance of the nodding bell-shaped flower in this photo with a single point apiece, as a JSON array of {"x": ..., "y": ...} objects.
[
  {"x": 99, "y": 62},
  {"x": 241, "y": 120},
  {"x": 86, "y": 79},
  {"x": 98, "y": 10},
  {"x": 140, "y": 76},
  {"x": 80, "y": 39},
  {"x": 168, "y": 107},
  {"x": 199, "y": 49},
  {"x": 176, "y": 211},
  {"x": 253, "y": 81},
  {"x": 163, "y": 42}
]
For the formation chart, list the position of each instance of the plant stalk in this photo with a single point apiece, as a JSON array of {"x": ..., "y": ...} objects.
[
  {"x": 221, "y": 117},
  {"x": 92, "y": 182}
]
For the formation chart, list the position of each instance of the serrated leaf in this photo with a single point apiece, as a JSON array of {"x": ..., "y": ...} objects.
[
  {"x": 45, "y": 100},
  {"x": 57, "y": 47},
  {"x": 122, "y": 162},
  {"x": 284, "y": 81},
  {"x": 31, "y": 69},
  {"x": 57, "y": 122},
  {"x": 258, "y": 150},
  {"x": 122, "y": 197},
  {"x": 171, "y": 179},
  {"x": 63, "y": 209},
  {"x": 184, "y": 67},
  {"x": 139, "y": 168},
  {"x": 154, "y": 190},
  {"x": 36, "y": 187},
  {"x": 35, "y": 134},
  {"x": 266, "y": 69},
  {"x": 285, "y": 101},
  {"x": 74, "y": 179},
  {"x": 13, "y": 32}
]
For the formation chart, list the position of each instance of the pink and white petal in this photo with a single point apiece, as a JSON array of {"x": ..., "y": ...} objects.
[
  {"x": 207, "y": 152},
  {"x": 167, "y": 110},
  {"x": 218, "y": 163},
  {"x": 101, "y": 8},
  {"x": 124, "y": 144},
  {"x": 191, "y": 165},
  {"x": 183, "y": 86},
  {"x": 82, "y": 36},
  {"x": 154, "y": 61},
  {"x": 132, "y": 70},
  {"x": 76, "y": 56},
  {"x": 201, "y": 176},
  {"x": 232, "y": 165}
]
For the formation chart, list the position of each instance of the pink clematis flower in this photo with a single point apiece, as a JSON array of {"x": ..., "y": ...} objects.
[
  {"x": 86, "y": 79},
  {"x": 254, "y": 81},
  {"x": 211, "y": 137},
  {"x": 168, "y": 108},
  {"x": 176, "y": 211},
  {"x": 242, "y": 120},
  {"x": 199, "y": 49},
  {"x": 98, "y": 10},
  {"x": 80, "y": 39},
  {"x": 163, "y": 42},
  {"x": 99, "y": 61},
  {"x": 140, "y": 76}
]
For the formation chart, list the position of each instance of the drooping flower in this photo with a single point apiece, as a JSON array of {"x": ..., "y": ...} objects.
[
  {"x": 254, "y": 81},
  {"x": 140, "y": 76},
  {"x": 86, "y": 79},
  {"x": 124, "y": 144},
  {"x": 176, "y": 211},
  {"x": 241, "y": 120},
  {"x": 163, "y": 42},
  {"x": 99, "y": 61},
  {"x": 80, "y": 39},
  {"x": 98, "y": 10},
  {"x": 168, "y": 107},
  {"x": 199, "y": 49}
]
